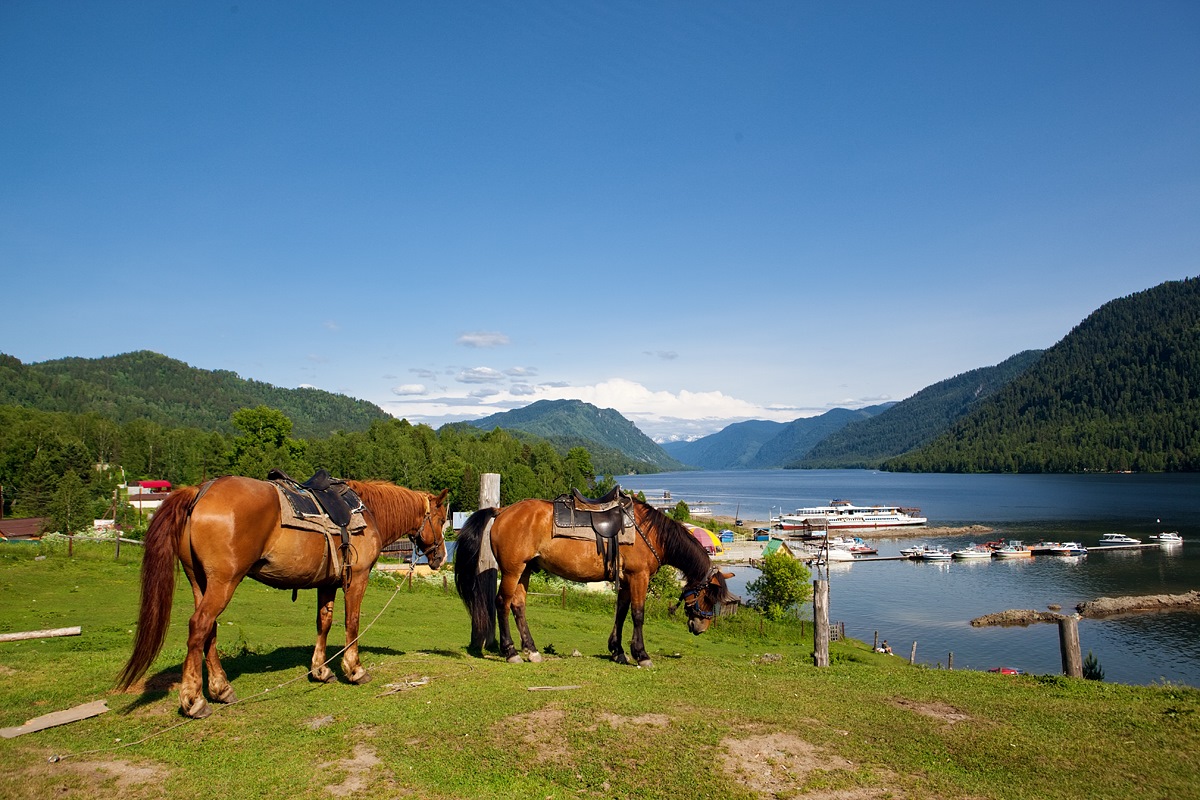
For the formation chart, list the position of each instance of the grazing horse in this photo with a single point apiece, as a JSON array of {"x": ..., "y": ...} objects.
[
  {"x": 521, "y": 541},
  {"x": 231, "y": 530}
]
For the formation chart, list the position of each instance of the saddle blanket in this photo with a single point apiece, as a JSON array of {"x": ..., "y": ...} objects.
[
  {"x": 587, "y": 534},
  {"x": 316, "y": 520}
]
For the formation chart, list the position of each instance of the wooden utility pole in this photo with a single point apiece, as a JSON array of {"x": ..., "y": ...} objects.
[
  {"x": 820, "y": 623},
  {"x": 489, "y": 490},
  {"x": 1068, "y": 642}
]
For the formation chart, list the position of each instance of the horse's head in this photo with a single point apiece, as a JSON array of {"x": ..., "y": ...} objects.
[
  {"x": 702, "y": 602},
  {"x": 430, "y": 536}
]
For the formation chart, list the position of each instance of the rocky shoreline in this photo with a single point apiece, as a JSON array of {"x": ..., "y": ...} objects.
[{"x": 1098, "y": 608}]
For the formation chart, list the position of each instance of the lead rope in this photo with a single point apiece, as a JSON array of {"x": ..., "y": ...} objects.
[{"x": 222, "y": 707}]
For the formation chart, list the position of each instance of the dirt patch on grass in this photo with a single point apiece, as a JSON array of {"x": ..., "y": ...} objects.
[
  {"x": 937, "y": 710},
  {"x": 358, "y": 771},
  {"x": 652, "y": 720},
  {"x": 542, "y": 732},
  {"x": 783, "y": 765},
  {"x": 128, "y": 779}
]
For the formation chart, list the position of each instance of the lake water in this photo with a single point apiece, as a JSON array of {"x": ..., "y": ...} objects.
[{"x": 932, "y": 603}]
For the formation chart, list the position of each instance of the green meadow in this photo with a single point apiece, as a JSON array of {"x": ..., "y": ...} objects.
[{"x": 739, "y": 712}]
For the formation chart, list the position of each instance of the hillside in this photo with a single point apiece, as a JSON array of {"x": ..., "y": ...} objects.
[
  {"x": 149, "y": 386},
  {"x": 732, "y": 447},
  {"x": 907, "y": 425},
  {"x": 1121, "y": 391},
  {"x": 799, "y": 436},
  {"x": 573, "y": 423}
]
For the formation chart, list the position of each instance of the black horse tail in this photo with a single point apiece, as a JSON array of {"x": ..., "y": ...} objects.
[
  {"x": 158, "y": 582},
  {"x": 477, "y": 589}
]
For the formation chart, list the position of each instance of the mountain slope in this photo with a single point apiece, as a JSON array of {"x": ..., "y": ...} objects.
[
  {"x": 799, "y": 436},
  {"x": 1121, "y": 391},
  {"x": 732, "y": 447},
  {"x": 573, "y": 422},
  {"x": 150, "y": 386},
  {"x": 866, "y": 443}
]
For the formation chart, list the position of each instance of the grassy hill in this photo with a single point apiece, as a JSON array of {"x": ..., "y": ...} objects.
[
  {"x": 1121, "y": 391},
  {"x": 149, "y": 386}
]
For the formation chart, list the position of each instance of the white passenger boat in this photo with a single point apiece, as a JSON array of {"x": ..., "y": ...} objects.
[
  {"x": 842, "y": 514},
  {"x": 1167, "y": 537}
]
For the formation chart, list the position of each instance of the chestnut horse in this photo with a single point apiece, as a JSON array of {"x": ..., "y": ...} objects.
[
  {"x": 232, "y": 530},
  {"x": 522, "y": 543}
]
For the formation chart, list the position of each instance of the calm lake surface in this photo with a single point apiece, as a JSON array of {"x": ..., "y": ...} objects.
[{"x": 932, "y": 603}]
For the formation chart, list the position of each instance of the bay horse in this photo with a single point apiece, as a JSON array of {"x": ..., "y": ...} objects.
[
  {"x": 522, "y": 543},
  {"x": 232, "y": 530}
]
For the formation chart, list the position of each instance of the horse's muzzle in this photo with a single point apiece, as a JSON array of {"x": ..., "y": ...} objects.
[
  {"x": 697, "y": 625},
  {"x": 437, "y": 557}
]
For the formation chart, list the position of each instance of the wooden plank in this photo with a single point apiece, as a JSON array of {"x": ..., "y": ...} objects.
[
  {"x": 46, "y": 634},
  {"x": 92, "y": 709}
]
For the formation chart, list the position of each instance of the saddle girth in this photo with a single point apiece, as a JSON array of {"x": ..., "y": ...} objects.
[{"x": 607, "y": 516}]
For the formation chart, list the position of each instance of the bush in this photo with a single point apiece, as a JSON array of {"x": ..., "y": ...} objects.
[{"x": 783, "y": 585}]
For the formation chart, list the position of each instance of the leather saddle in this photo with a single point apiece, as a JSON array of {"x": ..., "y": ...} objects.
[
  {"x": 607, "y": 516},
  {"x": 322, "y": 494}
]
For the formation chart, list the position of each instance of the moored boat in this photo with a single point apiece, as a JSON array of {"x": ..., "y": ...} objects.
[
  {"x": 1013, "y": 549},
  {"x": 1069, "y": 549},
  {"x": 972, "y": 551},
  {"x": 935, "y": 554},
  {"x": 1167, "y": 537},
  {"x": 1118, "y": 538}
]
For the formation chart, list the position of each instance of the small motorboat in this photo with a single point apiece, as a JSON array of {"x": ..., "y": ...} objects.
[
  {"x": 1167, "y": 537},
  {"x": 1118, "y": 538},
  {"x": 914, "y": 551},
  {"x": 1069, "y": 549},
  {"x": 935, "y": 554},
  {"x": 1013, "y": 549},
  {"x": 972, "y": 551}
]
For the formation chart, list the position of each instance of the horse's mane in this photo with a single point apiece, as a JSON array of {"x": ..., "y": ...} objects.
[
  {"x": 679, "y": 548},
  {"x": 398, "y": 511}
]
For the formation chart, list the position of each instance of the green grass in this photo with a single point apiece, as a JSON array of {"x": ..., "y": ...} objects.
[{"x": 871, "y": 726}]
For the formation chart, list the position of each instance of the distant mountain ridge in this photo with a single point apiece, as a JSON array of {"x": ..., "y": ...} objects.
[
  {"x": 915, "y": 421},
  {"x": 575, "y": 423},
  {"x": 1121, "y": 391},
  {"x": 150, "y": 386}
]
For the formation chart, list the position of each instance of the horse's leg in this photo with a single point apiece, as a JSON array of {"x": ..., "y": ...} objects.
[
  {"x": 202, "y": 638},
  {"x": 639, "y": 585},
  {"x": 353, "y": 597},
  {"x": 509, "y": 586},
  {"x": 615, "y": 649},
  {"x": 320, "y": 670},
  {"x": 518, "y": 609}
]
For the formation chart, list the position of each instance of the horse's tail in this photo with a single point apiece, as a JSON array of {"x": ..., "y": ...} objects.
[
  {"x": 477, "y": 590},
  {"x": 158, "y": 582}
]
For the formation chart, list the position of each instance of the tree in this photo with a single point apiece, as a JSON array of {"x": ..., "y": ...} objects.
[
  {"x": 71, "y": 506},
  {"x": 783, "y": 585},
  {"x": 1092, "y": 669},
  {"x": 266, "y": 443}
]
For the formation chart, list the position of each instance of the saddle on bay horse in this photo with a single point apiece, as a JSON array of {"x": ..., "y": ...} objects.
[
  {"x": 323, "y": 495},
  {"x": 608, "y": 519}
]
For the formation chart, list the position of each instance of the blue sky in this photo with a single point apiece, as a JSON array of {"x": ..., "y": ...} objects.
[{"x": 691, "y": 212}]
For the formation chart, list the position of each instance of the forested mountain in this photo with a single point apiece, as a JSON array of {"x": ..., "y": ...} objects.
[
  {"x": 147, "y": 386},
  {"x": 1120, "y": 392},
  {"x": 907, "y": 425},
  {"x": 799, "y": 436},
  {"x": 573, "y": 423}
]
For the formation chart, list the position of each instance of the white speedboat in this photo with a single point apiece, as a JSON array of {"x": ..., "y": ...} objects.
[
  {"x": 1013, "y": 549},
  {"x": 1069, "y": 549},
  {"x": 913, "y": 551},
  {"x": 1118, "y": 538},
  {"x": 1167, "y": 537},
  {"x": 842, "y": 514},
  {"x": 972, "y": 551},
  {"x": 935, "y": 554}
]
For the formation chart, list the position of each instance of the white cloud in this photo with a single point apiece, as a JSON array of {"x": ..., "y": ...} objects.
[
  {"x": 410, "y": 390},
  {"x": 479, "y": 375},
  {"x": 482, "y": 339}
]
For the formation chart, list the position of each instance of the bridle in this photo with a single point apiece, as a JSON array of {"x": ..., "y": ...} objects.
[
  {"x": 691, "y": 597},
  {"x": 415, "y": 536}
]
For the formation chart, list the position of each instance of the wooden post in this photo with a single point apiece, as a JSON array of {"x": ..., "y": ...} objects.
[
  {"x": 489, "y": 490},
  {"x": 912, "y": 659},
  {"x": 950, "y": 660},
  {"x": 820, "y": 623},
  {"x": 875, "y": 646},
  {"x": 1068, "y": 642}
]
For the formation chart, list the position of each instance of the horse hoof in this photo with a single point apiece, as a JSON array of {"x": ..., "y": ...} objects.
[
  {"x": 198, "y": 710},
  {"x": 324, "y": 676},
  {"x": 360, "y": 680},
  {"x": 535, "y": 657},
  {"x": 620, "y": 658},
  {"x": 645, "y": 662},
  {"x": 227, "y": 696},
  {"x": 515, "y": 660}
]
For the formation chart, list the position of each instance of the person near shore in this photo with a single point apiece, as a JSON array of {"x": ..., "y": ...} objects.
[{"x": 884, "y": 648}]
